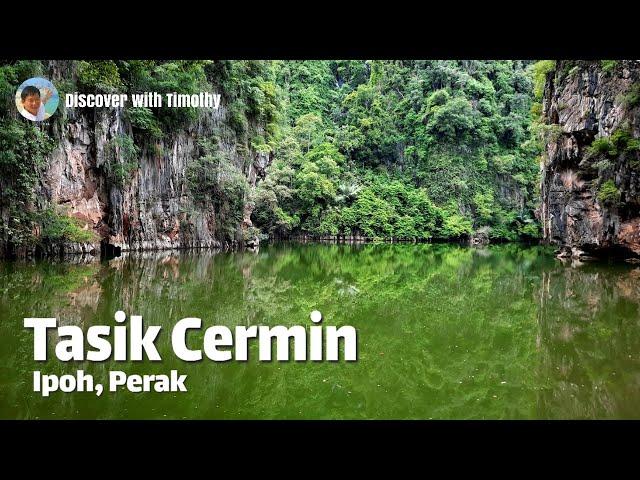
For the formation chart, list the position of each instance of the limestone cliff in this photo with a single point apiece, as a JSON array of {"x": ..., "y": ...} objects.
[
  {"x": 151, "y": 207},
  {"x": 590, "y": 182}
]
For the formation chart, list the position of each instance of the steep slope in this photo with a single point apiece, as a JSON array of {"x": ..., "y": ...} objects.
[
  {"x": 591, "y": 170},
  {"x": 132, "y": 190},
  {"x": 404, "y": 149}
]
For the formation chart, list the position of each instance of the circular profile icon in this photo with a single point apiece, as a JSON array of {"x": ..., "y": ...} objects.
[{"x": 37, "y": 99}]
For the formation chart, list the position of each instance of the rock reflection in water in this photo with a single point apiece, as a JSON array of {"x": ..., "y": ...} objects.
[{"x": 589, "y": 345}]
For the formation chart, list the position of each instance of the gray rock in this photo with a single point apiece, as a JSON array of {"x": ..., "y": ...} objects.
[
  {"x": 153, "y": 210},
  {"x": 583, "y": 103}
]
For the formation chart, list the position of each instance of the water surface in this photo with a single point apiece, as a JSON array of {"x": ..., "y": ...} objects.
[{"x": 444, "y": 332}]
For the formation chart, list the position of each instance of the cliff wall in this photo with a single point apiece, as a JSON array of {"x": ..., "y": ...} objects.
[
  {"x": 137, "y": 196},
  {"x": 590, "y": 181}
]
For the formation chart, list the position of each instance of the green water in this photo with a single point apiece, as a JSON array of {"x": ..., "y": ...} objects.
[{"x": 444, "y": 332}]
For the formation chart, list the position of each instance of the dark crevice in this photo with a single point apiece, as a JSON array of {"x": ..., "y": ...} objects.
[{"x": 109, "y": 251}]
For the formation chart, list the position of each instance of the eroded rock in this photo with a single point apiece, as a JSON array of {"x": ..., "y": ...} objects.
[{"x": 584, "y": 103}]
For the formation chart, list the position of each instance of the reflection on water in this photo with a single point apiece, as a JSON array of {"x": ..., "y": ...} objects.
[
  {"x": 444, "y": 332},
  {"x": 588, "y": 337}
]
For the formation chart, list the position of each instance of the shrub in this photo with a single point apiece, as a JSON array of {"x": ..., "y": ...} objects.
[
  {"x": 602, "y": 146},
  {"x": 122, "y": 159},
  {"x": 57, "y": 227},
  {"x": 631, "y": 99},
  {"x": 456, "y": 226},
  {"x": 438, "y": 98},
  {"x": 214, "y": 179},
  {"x": 143, "y": 119},
  {"x": 624, "y": 141},
  {"x": 603, "y": 166},
  {"x": 621, "y": 141},
  {"x": 251, "y": 233},
  {"x": 608, "y": 66},
  {"x": 503, "y": 163},
  {"x": 529, "y": 230},
  {"x": 539, "y": 73},
  {"x": 609, "y": 193},
  {"x": 238, "y": 119},
  {"x": 23, "y": 150},
  {"x": 99, "y": 75}
]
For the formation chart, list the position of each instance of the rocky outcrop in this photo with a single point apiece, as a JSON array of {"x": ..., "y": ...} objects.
[
  {"x": 151, "y": 207},
  {"x": 480, "y": 237},
  {"x": 590, "y": 182}
]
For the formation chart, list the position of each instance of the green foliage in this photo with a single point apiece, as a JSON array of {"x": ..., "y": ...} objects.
[
  {"x": 269, "y": 197},
  {"x": 540, "y": 70},
  {"x": 603, "y": 166},
  {"x": 620, "y": 142},
  {"x": 183, "y": 76},
  {"x": 57, "y": 227},
  {"x": 260, "y": 146},
  {"x": 631, "y": 98},
  {"x": 23, "y": 148},
  {"x": 608, "y": 193},
  {"x": 13, "y": 74},
  {"x": 122, "y": 159},
  {"x": 308, "y": 130},
  {"x": 456, "y": 226},
  {"x": 100, "y": 76},
  {"x": 438, "y": 98},
  {"x": 608, "y": 66},
  {"x": 238, "y": 120},
  {"x": 454, "y": 121},
  {"x": 373, "y": 216},
  {"x": 251, "y": 92},
  {"x": 602, "y": 146},
  {"x": 366, "y": 145},
  {"x": 249, "y": 95},
  {"x": 143, "y": 119},
  {"x": 214, "y": 179},
  {"x": 530, "y": 230},
  {"x": 503, "y": 163},
  {"x": 624, "y": 141},
  {"x": 484, "y": 206},
  {"x": 379, "y": 148},
  {"x": 325, "y": 152}
]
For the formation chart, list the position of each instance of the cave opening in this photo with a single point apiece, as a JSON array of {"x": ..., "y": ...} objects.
[{"x": 108, "y": 250}]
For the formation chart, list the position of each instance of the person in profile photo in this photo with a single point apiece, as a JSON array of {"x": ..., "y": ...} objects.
[
  {"x": 37, "y": 99},
  {"x": 33, "y": 103}
]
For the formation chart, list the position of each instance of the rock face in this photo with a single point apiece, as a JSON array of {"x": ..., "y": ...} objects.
[
  {"x": 151, "y": 208},
  {"x": 591, "y": 169}
]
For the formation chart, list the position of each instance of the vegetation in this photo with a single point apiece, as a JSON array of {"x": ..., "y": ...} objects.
[
  {"x": 214, "y": 180},
  {"x": 621, "y": 141},
  {"x": 405, "y": 149},
  {"x": 602, "y": 146},
  {"x": 540, "y": 70},
  {"x": 23, "y": 148},
  {"x": 59, "y": 227},
  {"x": 24, "y": 145},
  {"x": 631, "y": 99},
  {"x": 122, "y": 159},
  {"x": 411, "y": 150},
  {"x": 620, "y": 146},
  {"x": 101, "y": 76},
  {"x": 143, "y": 120},
  {"x": 608, "y": 193},
  {"x": 608, "y": 66}
]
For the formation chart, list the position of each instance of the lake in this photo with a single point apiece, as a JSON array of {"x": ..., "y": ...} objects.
[{"x": 444, "y": 332}]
